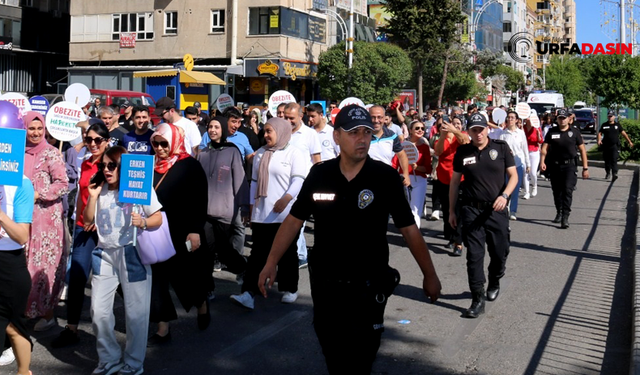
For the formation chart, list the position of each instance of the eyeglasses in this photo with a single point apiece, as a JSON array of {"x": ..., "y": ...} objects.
[
  {"x": 163, "y": 144},
  {"x": 97, "y": 140},
  {"x": 111, "y": 166}
]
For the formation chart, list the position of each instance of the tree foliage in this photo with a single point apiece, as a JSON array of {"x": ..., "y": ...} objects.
[
  {"x": 614, "y": 77},
  {"x": 567, "y": 76},
  {"x": 379, "y": 72}
]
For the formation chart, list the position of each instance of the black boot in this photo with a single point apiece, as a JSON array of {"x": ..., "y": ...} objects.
[
  {"x": 493, "y": 290},
  {"x": 614, "y": 178},
  {"x": 558, "y": 217},
  {"x": 477, "y": 305},
  {"x": 565, "y": 221}
]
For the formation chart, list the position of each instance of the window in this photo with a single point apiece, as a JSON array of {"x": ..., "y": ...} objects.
[
  {"x": 506, "y": 27},
  {"x": 264, "y": 20},
  {"x": 543, "y": 5},
  {"x": 509, "y": 7},
  {"x": 539, "y": 58},
  {"x": 217, "y": 20},
  {"x": 171, "y": 23},
  {"x": 139, "y": 23}
]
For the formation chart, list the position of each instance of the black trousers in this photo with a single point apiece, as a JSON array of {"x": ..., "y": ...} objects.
[
  {"x": 563, "y": 180},
  {"x": 480, "y": 227},
  {"x": 450, "y": 234},
  {"x": 219, "y": 240},
  {"x": 436, "y": 204},
  {"x": 610, "y": 156},
  {"x": 288, "y": 271},
  {"x": 15, "y": 286},
  {"x": 348, "y": 321}
]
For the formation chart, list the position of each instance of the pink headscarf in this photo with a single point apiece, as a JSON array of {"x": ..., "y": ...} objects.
[
  {"x": 283, "y": 131},
  {"x": 175, "y": 137},
  {"x": 31, "y": 150}
]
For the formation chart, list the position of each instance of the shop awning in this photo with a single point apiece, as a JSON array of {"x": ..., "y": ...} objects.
[
  {"x": 187, "y": 76},
  {"x": 155, "y": 73}
]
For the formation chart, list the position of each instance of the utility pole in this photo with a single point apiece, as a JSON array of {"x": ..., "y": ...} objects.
[
  {"x": 623, "y": 36},
  {"x": 351, "y": 35}
]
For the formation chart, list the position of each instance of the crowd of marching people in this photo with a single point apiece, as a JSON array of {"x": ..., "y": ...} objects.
[{"x": 214, "y": 175}]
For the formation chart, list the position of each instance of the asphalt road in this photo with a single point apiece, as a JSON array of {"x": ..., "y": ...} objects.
[{"x": 564, "y": 308}]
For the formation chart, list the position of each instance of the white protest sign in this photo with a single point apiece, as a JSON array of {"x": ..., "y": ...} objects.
[
  {"x": 535, "y": 120},
  {"x": 523, "y": 110},
  {"x": 412, "y": 152},
  {"x": 277, "y": 98},
  {"x": 224, "y": 101},
  {"x": 499, "y": 115},
  {"x": 18, "y": 100},
  {"x": 77, "y": 93},
  {"x": 62, "y": 119},
  {"x": 351, "y": 100}
]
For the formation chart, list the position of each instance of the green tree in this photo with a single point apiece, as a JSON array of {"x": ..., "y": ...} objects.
[
  {"x": 378, "y": 73},
  {"x": 514, "y": 79},
  {"x": 567, "y": 76},
  {"x": 425, "y": 29},
  {"x": 614, "y": 77}
]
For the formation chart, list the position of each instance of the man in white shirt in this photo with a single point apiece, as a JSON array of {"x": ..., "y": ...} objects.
[
  {"x": 166, "y": 109},
  {"x": 306, "y": 139},
  {"x": 325, "y": 132}
]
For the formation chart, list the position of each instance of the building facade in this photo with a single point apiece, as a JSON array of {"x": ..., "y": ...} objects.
[{"x": 555, "y": 23}]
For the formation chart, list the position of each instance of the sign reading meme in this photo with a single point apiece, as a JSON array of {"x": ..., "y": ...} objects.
[
  {"x": 12, "y": 144},
  {"x": 136, "y": 179}
]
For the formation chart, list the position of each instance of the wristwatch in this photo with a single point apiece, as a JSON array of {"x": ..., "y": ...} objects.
[
  {"x": 505, "y": 196},
  {"x": 144, "y": 224}
]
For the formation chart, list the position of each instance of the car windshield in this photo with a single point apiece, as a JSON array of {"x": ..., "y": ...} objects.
[
  {"x": 541, "y": 107},
  {"x": 584, "y": 115}
]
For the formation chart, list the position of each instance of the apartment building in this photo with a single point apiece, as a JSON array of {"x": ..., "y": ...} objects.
[{"x": 555, "y": 23}]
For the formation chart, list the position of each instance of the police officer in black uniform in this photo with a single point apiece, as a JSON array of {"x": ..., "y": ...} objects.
[
  {"x": 485, "y": 164},
  {"x": 558, "y": 156},
  {"x": 351, "y": 198},
  {"x": 609, "y": 142}
]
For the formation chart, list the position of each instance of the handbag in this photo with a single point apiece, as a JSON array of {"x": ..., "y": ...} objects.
[{"x": 155, "y": 245}]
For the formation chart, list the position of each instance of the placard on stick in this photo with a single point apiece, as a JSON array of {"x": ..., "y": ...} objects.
[
  {"x": 12, "y": 144},
  {"x": 136, "y": 179}
]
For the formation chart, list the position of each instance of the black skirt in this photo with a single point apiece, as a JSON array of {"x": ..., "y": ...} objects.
[{"x": 15, "y": 285}]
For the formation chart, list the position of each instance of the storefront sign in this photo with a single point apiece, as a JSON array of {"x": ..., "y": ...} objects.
[
  {"x": 12, "y": 144},
  {"x": 319, "y": 4},
  {"x": 322, "y": 103},
  {"x": 39, "y": 104},
  {"x": 407, "y": 98},
  {"x": 62, "y": 119},
  {"x": 277, "y": 98},
  {"x": 268, "y": 67},
  {"x": 136, "y": 179},
  {"x": 296, "y": 70},
  {"x": 359, "y": 6},
  {"x": 127, "y": 40},
  {"x": 18, "y": 100}
]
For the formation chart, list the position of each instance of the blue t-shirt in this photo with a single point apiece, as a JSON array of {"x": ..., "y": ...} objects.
[
  {"x": 237, "y": 139},
  {"x": 138, "y": 144},
  {"x": 17, "y": 203}
]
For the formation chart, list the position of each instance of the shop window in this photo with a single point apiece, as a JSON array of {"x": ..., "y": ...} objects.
[
  {"x": 217, "y": 20},
  {"x": 171, "y": 23},
  {"x": 264, "y": 20},
  {"x": 139, "y": 23}
]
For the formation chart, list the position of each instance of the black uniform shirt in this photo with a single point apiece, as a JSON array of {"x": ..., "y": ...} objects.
[
  {"x": 484, "y": 170},
  {"x": 610, "y": 134},
  {"x": 351, "y": 218},
  {"x": 563, "y": 145}
]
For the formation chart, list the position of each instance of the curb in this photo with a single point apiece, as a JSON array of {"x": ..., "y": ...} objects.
[
  {"x": 600, "y": 164},
  {"x": 635, "y": 343}
]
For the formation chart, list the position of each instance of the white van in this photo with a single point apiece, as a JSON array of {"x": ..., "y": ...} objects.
[
  {"x": 544, "y": 101},
  {"x": 579, "y": 105}
]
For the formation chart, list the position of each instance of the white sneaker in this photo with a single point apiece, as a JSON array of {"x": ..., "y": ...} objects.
[
  {"x": 7, "y": 357},
  {"x": 435, "y": 215},
  {"x": 289, "y": 297},
  {"x": 245, "y": 300},
  {"x": 526, "y": 196},
  {"x": 107, "y": 368},
  {"x": 44, "y": 324},
  {"x": 534, "y": 191},
  {"x": 513, "y": 217}
]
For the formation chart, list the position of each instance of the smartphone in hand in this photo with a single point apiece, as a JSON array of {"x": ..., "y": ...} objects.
[{"x": 188, "y": 244}]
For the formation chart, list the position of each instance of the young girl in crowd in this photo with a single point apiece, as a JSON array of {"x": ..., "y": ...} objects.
[{"x": 115, "y": 261}]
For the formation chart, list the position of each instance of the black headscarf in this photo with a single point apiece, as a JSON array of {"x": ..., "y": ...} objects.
[{"x": 225, "y": 133}]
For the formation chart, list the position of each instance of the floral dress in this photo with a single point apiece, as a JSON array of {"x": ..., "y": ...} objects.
[{"x": 46, "y": 255}]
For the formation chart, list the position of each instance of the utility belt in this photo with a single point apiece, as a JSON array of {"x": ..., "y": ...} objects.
[
  {"x": 565, "y": 162},
  {"x": 380, "y": 287}
]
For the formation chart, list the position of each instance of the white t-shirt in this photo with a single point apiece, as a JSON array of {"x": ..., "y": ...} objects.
[
  {"x": 396, "y": 129},
  {"x": 330, "y": 149},
  {"x": 192, "y": 137},
  {"x": 517, "y": 141},
  {"x": 307, "y": 141},
  {"x": 113, "y": 219},
  {"x": 285, "y": 164}
]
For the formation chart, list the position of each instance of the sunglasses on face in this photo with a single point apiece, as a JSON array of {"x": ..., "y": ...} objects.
[
  {"x": 97, "y": 140},
  {"x": 418, "y": 128},
  {"x": 111, "y": 166},
  {"x": 163, "y": 144}
]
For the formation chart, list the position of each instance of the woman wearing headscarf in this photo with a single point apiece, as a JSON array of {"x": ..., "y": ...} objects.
[
  {"x": 85, "y": 238},
  {"x": 46, "y": 258},
  {"x": 228, "y": 195},
  {"x": 278, "y": 174},
  {"x": 181, "y": 187}
]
